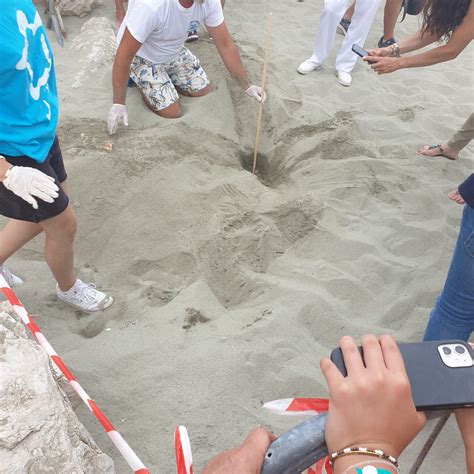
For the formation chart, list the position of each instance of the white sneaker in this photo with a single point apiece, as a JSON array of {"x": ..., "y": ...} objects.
[
  {"x": 344, "y": 78},
  {"x": 11, "y": 278},
  {"x": 308, "y": 66},
  {"x": 85, "y": 296}
]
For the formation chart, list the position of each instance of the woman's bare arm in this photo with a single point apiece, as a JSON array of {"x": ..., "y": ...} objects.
[{"x": 461, "y": 37}]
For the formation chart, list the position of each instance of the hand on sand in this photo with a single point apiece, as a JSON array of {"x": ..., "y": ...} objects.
[
  {"x": 256, "y": 93},
  {"x": 456, "y": 197},
  {"x": 371, "y": 407},
  {"x": 29, "y": 183},
  {"x": 246, "y": 458},
  {"x": 382, "y": 65},
  {"x": 117, "y": 113}
]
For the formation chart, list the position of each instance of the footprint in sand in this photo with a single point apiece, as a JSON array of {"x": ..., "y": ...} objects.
[{"x": 170, "y": 275}]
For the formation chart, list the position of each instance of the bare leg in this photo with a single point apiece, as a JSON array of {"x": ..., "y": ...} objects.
[
  {"x": 58, "y": 247},
  {"x": 200, "y": 93},
  {"x": 465, "y": 419},
  {"x": 222, "y": 3},
  {"x": 17, "y": 233},
  {"x": 390, "y": 15},
  {"x": 172, "y": 111},
  {"x": 14, "y": 235},
  {"x": 349, "y": 12}
]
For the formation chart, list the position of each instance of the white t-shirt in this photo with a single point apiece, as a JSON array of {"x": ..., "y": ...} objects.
[{"x": 162, "y": 25}]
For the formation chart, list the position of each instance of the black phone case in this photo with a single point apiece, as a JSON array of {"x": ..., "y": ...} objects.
[
  {"x": 359, "y": 50},
  {"x": 434, "y": 386}
]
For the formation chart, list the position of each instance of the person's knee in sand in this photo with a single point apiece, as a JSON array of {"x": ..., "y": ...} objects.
[
  {"x": 161, "y": 84},
  {"x": 151, "y": 49},
  {"x": 174, "y": 110}
]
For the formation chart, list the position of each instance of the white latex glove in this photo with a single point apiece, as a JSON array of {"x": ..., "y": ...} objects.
[
  {"x": 116, "y": 113},
  {"x": 256, "y": 93},
  {"x": 27, "y": 182}
]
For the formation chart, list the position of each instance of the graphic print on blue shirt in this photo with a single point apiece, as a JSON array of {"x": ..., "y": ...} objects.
[{"x": 28, "y": 95}]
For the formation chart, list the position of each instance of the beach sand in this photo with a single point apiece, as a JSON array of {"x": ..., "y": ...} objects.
[{"x": 230, "y": 287}]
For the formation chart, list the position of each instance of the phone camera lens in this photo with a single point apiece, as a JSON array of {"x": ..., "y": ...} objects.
[
  {"x": 460, "y": 349},
  {"x": 447, "y": 350}
]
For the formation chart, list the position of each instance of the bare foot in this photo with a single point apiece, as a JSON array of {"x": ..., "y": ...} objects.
[
  {"x": 439, "y": 150},
  {"x": 456, "y": 197}
]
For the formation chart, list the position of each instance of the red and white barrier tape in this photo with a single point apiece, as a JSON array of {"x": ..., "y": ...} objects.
[
  {"x": 321, "y": 467},
  {"x": 127, "y": 452},
  {"x": 182, "y": 446},
  {"x": 298, "y": 406}
]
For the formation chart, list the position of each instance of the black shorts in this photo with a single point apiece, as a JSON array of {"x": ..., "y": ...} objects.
[{"x": 15, "y": 207}]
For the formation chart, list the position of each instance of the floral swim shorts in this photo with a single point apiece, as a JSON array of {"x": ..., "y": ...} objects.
[{"x": 158, "y": 82}]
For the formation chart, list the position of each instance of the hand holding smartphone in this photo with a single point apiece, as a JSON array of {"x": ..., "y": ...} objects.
[
  {"x": 360, "y": 52},
  {"x": 378, "y": 401},
  {"x": 441, "y": 374}
]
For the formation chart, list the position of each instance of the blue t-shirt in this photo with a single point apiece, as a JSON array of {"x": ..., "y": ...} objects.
[{"x": 28, "y": 95}]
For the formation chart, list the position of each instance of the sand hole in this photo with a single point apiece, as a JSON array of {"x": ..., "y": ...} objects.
[{"x": 262, "y": 170}]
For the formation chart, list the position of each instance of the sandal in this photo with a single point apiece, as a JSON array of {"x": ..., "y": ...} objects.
[{"x": 434, "y": 147}]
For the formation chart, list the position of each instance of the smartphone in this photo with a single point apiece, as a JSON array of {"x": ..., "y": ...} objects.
[
  {"x": 359, "y": 50},
  {"x": 441, "y": 373}
]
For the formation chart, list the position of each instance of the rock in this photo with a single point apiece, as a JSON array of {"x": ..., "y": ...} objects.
[
  {"x": 78, "y": 8},
  {"x": 95, "y": 45},
  {"x": 39, "y": 432}
]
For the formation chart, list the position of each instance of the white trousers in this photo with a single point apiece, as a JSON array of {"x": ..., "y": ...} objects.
[{"x": 325, "y": 34}]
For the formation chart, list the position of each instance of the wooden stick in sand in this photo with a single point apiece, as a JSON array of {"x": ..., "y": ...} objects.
[{"x": 264, "y": 80}]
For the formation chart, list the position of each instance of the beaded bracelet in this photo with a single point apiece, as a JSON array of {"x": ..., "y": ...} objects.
[
  {"x": 395, "y": 50},
  {"x": 378, "y": 453}
]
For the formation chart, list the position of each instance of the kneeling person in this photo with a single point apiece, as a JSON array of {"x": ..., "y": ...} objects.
[{"x": 151, "y": 49}]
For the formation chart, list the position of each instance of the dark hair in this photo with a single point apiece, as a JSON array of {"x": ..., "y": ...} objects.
[{"x": 442, "y": 17}]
